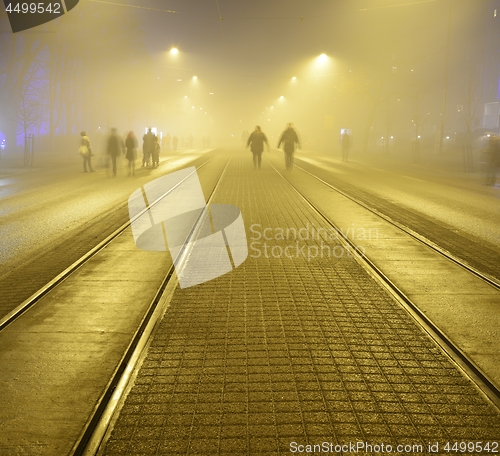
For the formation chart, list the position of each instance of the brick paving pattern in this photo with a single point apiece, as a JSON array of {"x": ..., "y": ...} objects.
[{"x": 285, "y": 350}]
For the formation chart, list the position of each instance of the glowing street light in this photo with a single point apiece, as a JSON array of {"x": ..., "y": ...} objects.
[
  {"x": 319, "y": 64},
  {"x": 294, "y": 78},
  {"x": 195, "y": 78},
  {"x": 174, "y": 51}
]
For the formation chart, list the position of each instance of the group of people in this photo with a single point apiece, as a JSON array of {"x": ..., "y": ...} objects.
[
  {"x": 288, "y": 138},
  {"x": 115, "y": 146},
  {"x": 167, "y": 140},
  {"x": 150, "y": 149}
]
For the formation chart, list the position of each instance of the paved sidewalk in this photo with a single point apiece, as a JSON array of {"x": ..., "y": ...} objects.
[{"x": 285, "y": 352}]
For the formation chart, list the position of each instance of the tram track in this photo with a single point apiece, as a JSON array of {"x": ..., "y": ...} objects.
[
  {"x": 444, "y": 238},
  {"x": 94, "y": 432},
  {"x": 90, "y": 444},
  {"x": 132, "y": 343},
  {"x": 93, "y": 435},
  {"x": 73, "y": 224},
  {"x": 459, "y": 358},
  {"x": 493, "y": 281},
  {"x": 11, "y": 316}
]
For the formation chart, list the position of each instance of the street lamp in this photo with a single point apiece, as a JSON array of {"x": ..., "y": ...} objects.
[{"x": 323, "y": 58}]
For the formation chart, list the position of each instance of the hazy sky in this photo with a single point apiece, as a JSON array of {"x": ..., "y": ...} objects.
[
  {"x": 261, "y": 44},
  {"x": 248, "y": 58}
]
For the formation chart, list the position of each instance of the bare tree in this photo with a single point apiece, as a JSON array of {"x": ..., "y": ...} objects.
[
  {"x": 18, "y": 52},
  {"x": 33, "y": 97}
]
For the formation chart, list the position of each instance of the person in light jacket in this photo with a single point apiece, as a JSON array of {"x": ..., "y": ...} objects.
[{"x": 86, "y": 152}]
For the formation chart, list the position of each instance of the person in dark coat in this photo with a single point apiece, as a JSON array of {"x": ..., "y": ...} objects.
[
  {"x": 289, "y": 139},
  {"x": 131, "y": 153},
  {"x": 345, "y": 143},
  {"x": 493, "y": 158},
  {"x": 86, "y": 152},
  {"x": 148, "y": 147},
  {"x": 114, "y": 147},
  {"x": 256, "y": 142},
  {"x": 156, "y": 152}
]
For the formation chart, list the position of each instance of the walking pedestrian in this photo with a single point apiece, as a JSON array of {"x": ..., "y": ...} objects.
[
  {"x": 345, "y": 142},
  {"x": 289, "y": 139},
  {"x": 256, "y": 142},
  {"x": 148, "y": 147},
  {"x": 114, "y": 148},
  {"x": 85, "y": 151},
  {"x": 493, "y": 157},
  {"x": 156, "y": 152},
  {"x": 131, "y": 154}
]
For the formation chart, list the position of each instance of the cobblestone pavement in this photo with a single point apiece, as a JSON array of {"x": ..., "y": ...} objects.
[{"x": 284, "y": 352}]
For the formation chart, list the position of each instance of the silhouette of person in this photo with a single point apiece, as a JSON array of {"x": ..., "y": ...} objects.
[
  {"x": 493, "y": 157},
  {"x": 289, "y": 138},
  {"x": 345, "y": 142},
  {"x": 256, "y": 142},
  {"x": 156, "y": 152},
  {"x": 131, "y": 153},
  {"x": 148, "y": 147},
  {"x": 114, "y": 148},
  {"x": 86, "y": 152}
]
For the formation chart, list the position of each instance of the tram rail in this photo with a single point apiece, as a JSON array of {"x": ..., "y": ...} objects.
[
  {"x": 10, "y": 317},
  {"x": 92, "y": 436},
  {"x": 457, "y": 247},
  {"x": 459, "y": 358},
  {"x": 493, "y": 281},
  {"x": 90, "y": 444}
]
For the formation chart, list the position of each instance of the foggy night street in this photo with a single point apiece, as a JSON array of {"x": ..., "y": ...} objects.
[{"x": 249, "y": 228}]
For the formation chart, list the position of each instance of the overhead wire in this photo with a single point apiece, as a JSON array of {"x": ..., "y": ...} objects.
[
  {"x": 134, "y": 6},
  {"x": 294, "y": 18}
]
